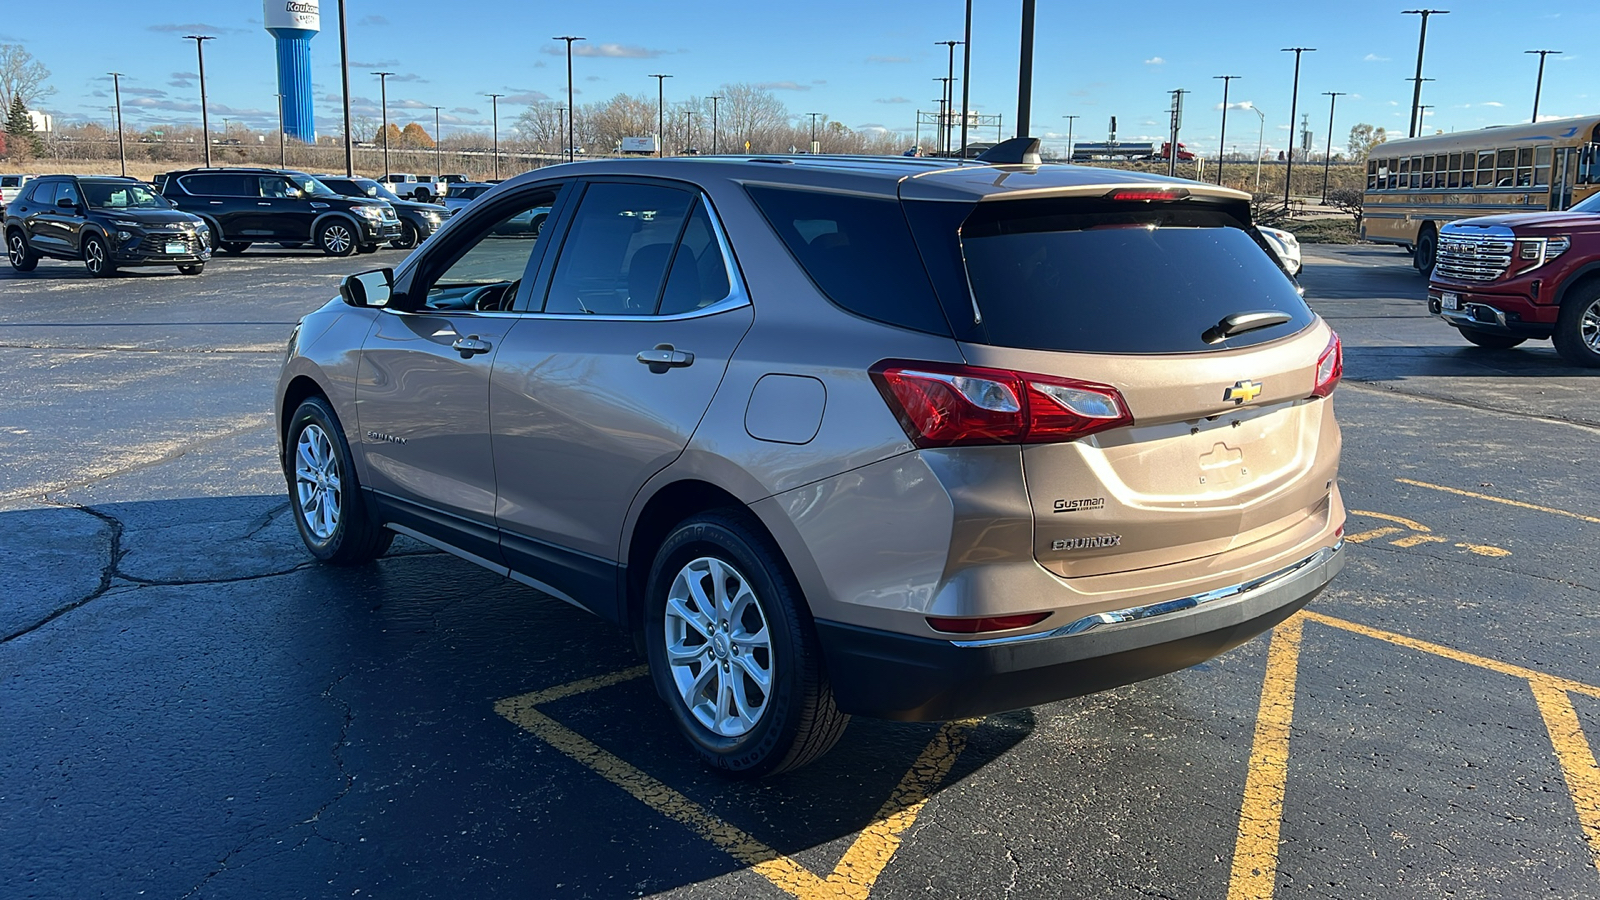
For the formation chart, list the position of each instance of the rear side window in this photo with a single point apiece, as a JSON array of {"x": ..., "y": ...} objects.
[
  {"x": 1120, "y": 277},
  {"x": 859, "y": 253},
  {"x": 221, "y": 185}
]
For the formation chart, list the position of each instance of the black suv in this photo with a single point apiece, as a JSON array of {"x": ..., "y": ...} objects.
[
  {"x": 246, "y": 205},
  {"x": 106, "y": 221},
  {"x": 417, "y": 220}
]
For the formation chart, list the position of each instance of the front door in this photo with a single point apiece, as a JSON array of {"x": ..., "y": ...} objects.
[
  {"x": 602, "y": 386},
  {"x": 422, "y": 400}
]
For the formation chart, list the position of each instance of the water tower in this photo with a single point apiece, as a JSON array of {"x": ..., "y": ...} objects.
[{"x": 294, "y": 23}]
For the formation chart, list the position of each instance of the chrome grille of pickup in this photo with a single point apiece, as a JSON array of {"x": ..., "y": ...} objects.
[{"x": 1466, "y": 258}]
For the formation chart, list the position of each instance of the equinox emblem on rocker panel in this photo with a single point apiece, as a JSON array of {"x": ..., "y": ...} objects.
[
  {"x": 1242, "y": 392},
  {"x": 1087, "y": 543}
]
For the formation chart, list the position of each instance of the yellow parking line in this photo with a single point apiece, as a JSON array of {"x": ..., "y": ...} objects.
[
  {"x": 1364, "y": 536},
  {"x": 1493, "y": 499},
  {"x": 1471, "y": 659},
  {"x": 1416, "y": 539},
  {"x": 1255, "y": 852},
  {"x": 1577, "y": 760},
  {"x": 1414, "y": 526},
  {"x": 862, "y": 863}
]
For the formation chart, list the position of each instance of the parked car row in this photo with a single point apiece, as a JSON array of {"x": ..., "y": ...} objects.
[{"x": 111, "y": 222}]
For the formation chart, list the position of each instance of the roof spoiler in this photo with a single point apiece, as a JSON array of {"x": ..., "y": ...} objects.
[{"x": 1019, "y": 151}]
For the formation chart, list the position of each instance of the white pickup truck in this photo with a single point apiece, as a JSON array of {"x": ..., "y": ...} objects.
[
  {"x": 410, "y": 187},
  {"x": 10, "y": 187}
]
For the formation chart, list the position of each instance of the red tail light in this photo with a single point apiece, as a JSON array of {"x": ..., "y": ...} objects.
[
  {"x": 1330, "y": 368},
  {"x": 976, "y": 625},
  {"x": 945, "y": 405}
]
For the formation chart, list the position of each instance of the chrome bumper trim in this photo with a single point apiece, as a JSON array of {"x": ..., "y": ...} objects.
[{"x": 1137, "y": 615}]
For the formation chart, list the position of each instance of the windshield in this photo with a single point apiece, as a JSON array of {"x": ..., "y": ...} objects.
[
  {"x": 370, "y": 188},
  {"x": 1591, "y": 205},
  {"x": 310, "y": 186},
  {"x": 121, "y": 196}
]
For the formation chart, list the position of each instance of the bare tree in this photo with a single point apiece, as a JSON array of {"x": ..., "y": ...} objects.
[
  {"x": 753, "y": 114},
  {"x": 21, "y": 76},
  {"x": 542, "y": 126}
]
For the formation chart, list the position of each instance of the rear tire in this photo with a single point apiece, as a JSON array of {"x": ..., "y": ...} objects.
[
  {"x": 1577, "y": 334},
  {"x": 1427, "y": 251},
  {"x": 233, "y": 248},
  {"x": 97, "y": 257},
  {"x": 329, "y": 510},
  {"x": 195, "y": 269},
  {"x": 722, "y": 614},
  {"x": 21, "y": 257},
  {"x": 1490, "y": 340},
  {"x": 409, "y": 237},
  {"x": 368, "y": 248},
  {"x": 337, "y": 238}
]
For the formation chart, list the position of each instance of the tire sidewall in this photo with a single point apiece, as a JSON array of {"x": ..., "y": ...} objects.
[
  {"x": 106, "y": 268},
  {"x": 28, "y": 260},
  {"x": 1568, "y": 337},
  {"x": 1427, "y": 253},
  {"x": 764, "y": 747},
  {"x": 316, "y": 411}
]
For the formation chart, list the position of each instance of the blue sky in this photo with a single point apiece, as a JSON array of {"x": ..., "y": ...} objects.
[{"x": 868, "y": 63}]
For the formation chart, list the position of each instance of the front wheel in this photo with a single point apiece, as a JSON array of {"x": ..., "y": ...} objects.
[
  {"x": 329, "y": 512},
  {"x": 733, "y": 651},
  {"x": 21, "y": 257},
  {"x": 1577, "y": 334},
  {"x": 337, "y": 238},
  {"x": 97, "y": 258},
  {"x": 1427, "y": 252},
  {"x": 409, "y": 237},
  {"x": 233, "y": 248},
  {"x": 1489, "y": 340}
]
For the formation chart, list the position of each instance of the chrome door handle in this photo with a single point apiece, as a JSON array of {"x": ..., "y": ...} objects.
[
  {"x": 264, "y": 203},
  {"x": 216, "y": 203},
  {"x": 664, "y": 357},
  {"x": 469, "y": 346}
]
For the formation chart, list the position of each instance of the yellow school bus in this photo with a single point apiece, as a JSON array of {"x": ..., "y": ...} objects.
[{"x": 1416, "y": 185}]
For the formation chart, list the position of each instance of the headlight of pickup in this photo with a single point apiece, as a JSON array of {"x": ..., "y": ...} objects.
[{"x": 1541, "y": 250}]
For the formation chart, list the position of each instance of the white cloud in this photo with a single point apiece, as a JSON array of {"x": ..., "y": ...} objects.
[
  {"x": 1373, "y": 57},
  {"x": 1494, "y": 103},
  {"x": 1155, "y": 61}
]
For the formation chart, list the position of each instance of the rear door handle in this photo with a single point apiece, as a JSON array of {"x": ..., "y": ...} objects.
[
  {"x": 264, "y": 203},
  {"x": 664, "y": 357},
  {"x": 470, "y": 346}
]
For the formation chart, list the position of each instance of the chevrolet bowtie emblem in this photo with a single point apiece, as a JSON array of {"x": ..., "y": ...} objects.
[{"x": 1242, "y": 392}]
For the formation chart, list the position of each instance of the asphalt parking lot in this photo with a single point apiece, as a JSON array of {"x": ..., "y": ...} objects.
[{"x": 191, "y": 708}]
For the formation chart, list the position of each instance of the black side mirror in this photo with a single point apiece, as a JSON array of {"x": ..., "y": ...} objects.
[
  {"x": 371, "y": 290},
  {"x": 66, "y": 203}
]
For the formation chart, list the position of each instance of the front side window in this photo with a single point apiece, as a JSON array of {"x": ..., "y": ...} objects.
[
  {"x": 486, "y": 274},
  {"x": 277, "y": 187},
  {"x": 615, "y": 256},
  {"x": 66, "y": 190},
  {"x": 122, "y": 196}
]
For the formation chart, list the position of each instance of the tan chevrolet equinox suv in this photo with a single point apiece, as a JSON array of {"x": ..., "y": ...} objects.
[{"x": 905, "y": 438}]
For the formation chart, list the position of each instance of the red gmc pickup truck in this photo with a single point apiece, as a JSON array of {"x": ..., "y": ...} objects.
[{"x": 1501, "y": 280}]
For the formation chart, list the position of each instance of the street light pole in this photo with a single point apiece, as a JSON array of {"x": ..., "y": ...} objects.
[
  {"x": 205, "y": 124},
  {"x": 949, "y": 92},
  {"x": 122, "y": 151},
  {"x": 688, "y": 131},
  {"x": 1222, "y": 141},
  {"x": 1177, "y": 123},
  {"x": 570, "y": 142},
  {"x": 944, "y": 116},
  {"x": 966, "y": 80},
  {"x": 813, "y": 131},
  {"x": 1538, "y": 86},
  {"x": 283, "y": 148},
  {"x": 661, "y": 110},
  {"x": 494, "y": 105},
  {"x": 1422, "y": 41},
  {"x": 1294, "y": 109},
  {"x": 438, "y": 164},
  {"x": 714, "y": 100},
  {"x": 1327, "y": 155},
  {"x": 1071, "y": 120},
  {"x": 383, "y": 93},
  {"x": 1025, "y": 70},
  {"x": 344, "y": 97},
  {"x": 1261, "y": 138}
]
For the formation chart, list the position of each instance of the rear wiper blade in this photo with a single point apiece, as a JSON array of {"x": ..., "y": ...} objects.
[{"x": 1241, "y": 322}]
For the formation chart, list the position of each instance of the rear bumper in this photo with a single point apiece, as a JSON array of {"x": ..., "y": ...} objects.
[{"x": 894, "y": 676}]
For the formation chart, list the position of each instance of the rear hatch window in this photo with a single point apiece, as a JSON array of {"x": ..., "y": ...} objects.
[{"x": 1103, "y": 276}]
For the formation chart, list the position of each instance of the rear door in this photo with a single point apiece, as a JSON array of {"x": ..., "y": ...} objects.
[
  {"x": 601, "y": 384},
  {"x": 1177, "y": 307}
]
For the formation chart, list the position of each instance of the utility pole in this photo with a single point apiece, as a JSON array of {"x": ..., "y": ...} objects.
[
  {"x": 966, "y": 77},
  {"x": 688, "y": 131},
  {"x": 949, "y": 92},
  {"x": 1422, "y": 42},
  {"x": 570, "y": 151},
  {"x": 122, "y": 150},
  {"x": 1305, "y": 135},
  {"x": 1177, "y": 122},
  {"x": 1222, "y": 141},
  {"x": 661, "y": 109},
  {"x": 941, "y": 141},
  {"x": 1294, "y": 110},
  {"x": 1071, "y": 120},
  {"x": 714, "y": 99},
  {"x": 438, "y": 164},
  {"x": 1538, "y": 86},
  {"x": 1261, "y": 146},
  {"x": 205, "y": 124},
  {"x": 494, "y": 104},
  {"x": 283, "y": 149},
  {"x": 813, "y": 130},
  {"x": 1327, "y": 156},
  {"x": 344, "y": 97},
  {"x": 383, "y": 93},
  {"x": 1025, "y": 70}
]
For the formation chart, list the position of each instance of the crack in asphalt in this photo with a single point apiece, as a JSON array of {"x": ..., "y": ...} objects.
[{"x": 108, "y": 573}]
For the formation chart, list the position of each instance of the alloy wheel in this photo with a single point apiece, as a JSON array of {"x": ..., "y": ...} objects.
[
  {"x": 718, "y": 647},
  {"x": 1589, "y": 326},
  {"x": 337, "y": 239},
  {"x": 317, "y": 483},
  {"x": 94, "y": 257},
  {"x": 18, "y": 251}
]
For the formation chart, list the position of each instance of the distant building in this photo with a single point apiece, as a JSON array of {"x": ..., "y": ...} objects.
[{"x": 42, "y": 122}]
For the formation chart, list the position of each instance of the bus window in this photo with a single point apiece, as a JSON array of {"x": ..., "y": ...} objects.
[
  {"x": 1394, "y": 174},
  {"x": 1588, "y": 165},
  {"x": 1524, "y": 167},
  {"x": 1505, "y": 168},
  {"x": 1427, "y": 172},
  {"x": 1440, "y": 164},
  {"x": 1453, "y": 171},
  {"x": 1485, "y": 168},
  {"x": 1372, "y": 174},
  {"x": 1416, "y": 171},
  {"x": 1541, "y": 167}
]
